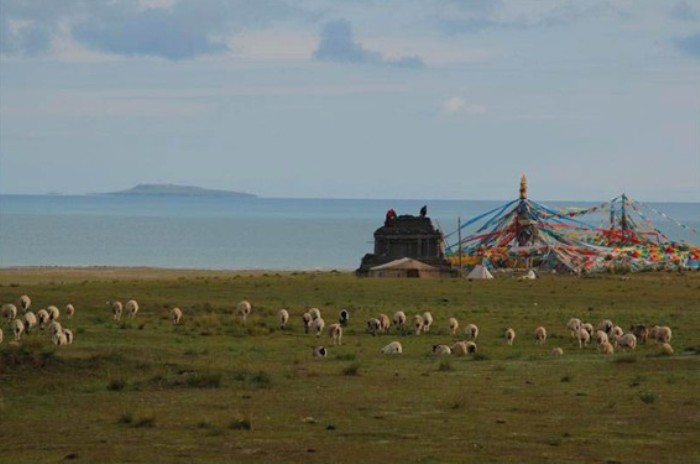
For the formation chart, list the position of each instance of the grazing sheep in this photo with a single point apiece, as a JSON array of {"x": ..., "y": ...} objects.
[
  {"x": 540, "y": 335},
  {"x": 588, "y": 327},
  {"x": 70, "y": 311},
  {"x": 471, "y": 331},
  {"x": 616, "y": 332},
  {"x": 606, "y": 348},
  {"x": 557, "y": 351},
  {"x": 427, "y": 321},
  {"x": 9, "y": 311},
  {"x": 662, "y": 334},
  {"x": 343, "y": 317},
  {"x": 640, "y": 331},
  {"x": 605, "y": 325},
  {"x": 666, "y": 348},
  {"x": 441, "y": 350},
  {"x": 459, "y": 348},
  {"x": 374, "y": 326},
  {"x": 1, "y": 335},
  {"x": 335, "y": 332},
  {"x": 393, "y": 348},
  {"x": 59, "y": 338},
  {"x": 53, "y": 311},
  {"x": 384, "y": 323},
  {"x": 25, "y": 302},
  {"x": 471, "y": 347},
  {"x": 454, "y": 325},
  {"x": 43, "y": 317},
  {"x": 176, "y": 315},
  {"x": 17, "y": 329},
  {"x": 307, "y": 319},
  {"x": 315, "y": 313},
  {"x": 600, "y": 337},
  {"x": 69, "y": 336},
  {"x": 573, "y": 325},
  {"x": 418, "y": 323},
  {"x": 627, "y": 341},
  {"x": 320, "y": 351},
  {"x": 29, "y": 320},
  {"x": 282, "y": 318},
  {"x": 510, "y": 336},
  {"x": 583, "y": 337},
  {"x": 319, "y": 324},
  {"x": 243, "y": 309},
  {"x": 131, "y": 307},
  {"x": 117, "y": 309},
  {"x": 399, "y": 319},
  {"x": 55, "y": 327}
]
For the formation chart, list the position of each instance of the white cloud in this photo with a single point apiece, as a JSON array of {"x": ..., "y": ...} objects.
[{"x": 457, "y": 105}]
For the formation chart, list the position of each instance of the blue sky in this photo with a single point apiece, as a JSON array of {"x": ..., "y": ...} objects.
[{"x": 420, "y": 99}]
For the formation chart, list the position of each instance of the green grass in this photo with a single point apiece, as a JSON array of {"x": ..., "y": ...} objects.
[{"x": 217, "y": 390}]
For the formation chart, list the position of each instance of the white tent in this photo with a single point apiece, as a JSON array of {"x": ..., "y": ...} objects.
[{"x": 479, "y": 272}]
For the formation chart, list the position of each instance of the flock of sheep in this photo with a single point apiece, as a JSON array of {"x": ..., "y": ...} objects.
[
  {"x": 44, "y": 318},
  {"x": 607, "y": 336}
]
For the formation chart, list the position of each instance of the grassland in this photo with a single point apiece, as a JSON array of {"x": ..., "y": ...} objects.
[{"x": 216, "y": 390}]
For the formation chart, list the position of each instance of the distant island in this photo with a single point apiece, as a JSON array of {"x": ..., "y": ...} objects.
[{"x": 171, "y": 189}]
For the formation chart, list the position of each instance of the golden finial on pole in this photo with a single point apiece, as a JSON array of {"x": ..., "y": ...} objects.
[{"x": 523, "y": 187}]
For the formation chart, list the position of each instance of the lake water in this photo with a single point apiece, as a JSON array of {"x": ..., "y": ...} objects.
[{"x": 215, "y": 232}]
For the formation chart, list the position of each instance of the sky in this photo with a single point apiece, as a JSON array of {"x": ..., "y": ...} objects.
[{"x": 404, "y": 99}]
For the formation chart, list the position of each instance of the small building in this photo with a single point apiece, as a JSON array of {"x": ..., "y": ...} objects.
[
  {"x": 407, "y": 236},
  {"x": 404, "y": 267}
]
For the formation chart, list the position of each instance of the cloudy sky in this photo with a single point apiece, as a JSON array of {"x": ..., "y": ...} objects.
[{"x": 420, "y": 99}]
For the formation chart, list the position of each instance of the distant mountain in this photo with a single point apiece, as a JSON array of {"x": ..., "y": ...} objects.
[{"x": 171, "y": 189}]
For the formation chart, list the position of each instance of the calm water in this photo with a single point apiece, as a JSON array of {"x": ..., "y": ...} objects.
[{"x": 224, "y": 233}]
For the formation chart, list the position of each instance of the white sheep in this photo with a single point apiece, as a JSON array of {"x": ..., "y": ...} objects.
[
  {"x": 59, "y": 338},
  {"x": 43, "y": 317},
  {"x": 573, "y": 325},
  {"x": 69, "y": 336},
  {"x": 588, "y": 327},
  {"x": 400, "y": 319},
  {"x": 666, "y": 348},
  {"x": 319, "y": 324},
  {"x": 374, "y": 326},
  {"x": 307, "y": 320},
  {"x": 427, "y": 321},
  {"x": 605, "y": 325},
  {"x": 25, "y": 302},
  {"x": 418, "y": 323},
  {"x": 601, "y": 337},
  {"x": 615, "y": 332},
  {"x": 510, "y": 336},
  {"x": 335, "y": 333},
  {"x": 662, "y": 334},
  {"x": 627, "y": 341},
  {"x": 315, "y": 313},
  {"x": 70, "y": 311},
  {"x": 54, "y": 313},
  {"x": 393, "y": 348},
  {"x": 132, "y": 307},
  {"x": 29, "y": 320},
  {"x": 384, "y": 323},
  {"x": 583, "y": 337},
  {"x": 442, "y": 350},
  {"x": 540, "y": 335},
  {"x": 55, "y": 327},
  {"x": 453, "y": 324},
  {"x": 320, "y": 352},
  {"x": 343, "y": 317},
  {"x": 471, "y": 331},
  {"x": 463, "y": 348},
  {"x": 606, "y": 348},
  {"x": 282, "y": 318},
  {"x": 176, "y": 315},
  {"x": 117, "y": 309},
  {"x": 2, "y": 335},
  {"x": 17, "y": 329},
  {"x": 9, "y": 311},
  {"x": 557, "y": 351}
]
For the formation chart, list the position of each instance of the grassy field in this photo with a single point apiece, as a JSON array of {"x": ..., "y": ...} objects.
[{"x": 217, "y": 390}]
